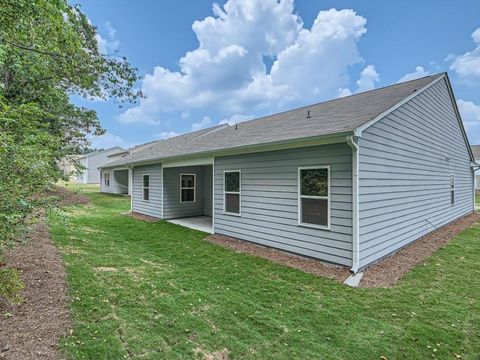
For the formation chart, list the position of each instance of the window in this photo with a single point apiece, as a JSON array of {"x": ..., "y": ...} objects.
[
  {"x": 452, "y": 189},
  {"x": 146, "y": 187},
  {"x": 232, "y": 189},
  {"x": 106, "y": 179},
  {"x": 187, "y": 187},
  {"x": 314, "y": 196}
]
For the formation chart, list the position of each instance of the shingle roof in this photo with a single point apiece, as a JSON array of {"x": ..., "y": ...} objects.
[
  {"x": 330, "y": 117},
  {"x": 476, "y": 151}
]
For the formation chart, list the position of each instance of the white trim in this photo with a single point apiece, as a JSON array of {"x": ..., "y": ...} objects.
[
  {"x": 145, "y": 187},
  {"x": 213, "y": 196},
  {"x": 233, "y": 192},
  {"x": 188, "y": 188},
  {"x": 352, "y": 142},
  {"x": 191, "y": 161},
  {"x": 300, "y": 196},
  {"x": 163, "y": 190},
  {"x": 131, "y": 194},
  {"x": 361, "y": 128}
]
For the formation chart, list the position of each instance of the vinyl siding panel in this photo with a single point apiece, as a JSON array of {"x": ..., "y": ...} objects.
[
  {"x": 172, "y": 207},
  {"x": 152, "y": 207},
  {"x": 269, "y": 201},
  {"x": 405, "y": 164}
]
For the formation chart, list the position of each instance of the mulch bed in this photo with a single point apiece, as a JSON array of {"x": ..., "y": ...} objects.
[
  {"x": 67, "y": 197},
  {"x": 43, "y": 318},
  {"x": 390, "y": 270},
  {"x": 33, "y": 328},
  {"x": 309, "y": 265},
  {"x": 142, "y": 217},
  {"x": 384, "y": 273}
]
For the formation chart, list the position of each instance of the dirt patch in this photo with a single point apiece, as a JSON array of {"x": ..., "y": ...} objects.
[
  {"x": 67, "y": 197},
  {"x": 216, "y": 355},
  {"x": 142, "y": 217},
  {"x": 390, "y": 270},
  {"x": 32, "y": 329},
  {"x": 309, "y": 265}
]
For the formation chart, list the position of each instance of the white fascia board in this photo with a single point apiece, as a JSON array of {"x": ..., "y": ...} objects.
[{"x": 191, "y": 161}]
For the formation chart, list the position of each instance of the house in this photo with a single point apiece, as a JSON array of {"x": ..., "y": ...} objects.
[
  {"x": 91, "y": 162},
  {"x": 347, "y": 181},
  {"x": 476, "y": 155}
]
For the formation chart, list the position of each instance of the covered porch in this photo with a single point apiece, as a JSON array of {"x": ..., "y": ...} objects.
[{"x": 188, "y": 194}]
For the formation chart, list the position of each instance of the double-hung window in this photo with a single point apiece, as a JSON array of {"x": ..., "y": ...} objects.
[
  {"x": 232, "y": 192},
  {"x": 187, "y": 187},
  {"x": 106, "y": 179},
  {"x": 452, "y": 189},
  {"x": 146, "y": 187},
  {"x": 314, "y": 196}
]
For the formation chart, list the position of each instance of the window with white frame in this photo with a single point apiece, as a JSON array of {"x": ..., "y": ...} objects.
[
  {"x": 106, "y": 179},
  {"x": 187, "y": 187},
  {"x": 314, "y": 196},
  {"x": 146, "y": 187},
  {"x": 232, "y": 192},
  {"x": 452, "y": 189}
]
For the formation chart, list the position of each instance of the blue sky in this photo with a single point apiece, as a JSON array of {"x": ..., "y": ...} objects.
[{"x": 204, "y": 63}]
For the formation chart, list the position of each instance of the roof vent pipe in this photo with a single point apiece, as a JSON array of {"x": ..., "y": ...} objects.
[
  {"x": 236, "y": 126},
  {"x": 308, "y": 114}
]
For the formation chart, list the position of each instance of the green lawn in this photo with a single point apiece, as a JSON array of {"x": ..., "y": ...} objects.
[{"x": 158, "y": 291}]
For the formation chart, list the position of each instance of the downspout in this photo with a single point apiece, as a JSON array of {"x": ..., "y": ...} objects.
[{"x": 353, "y": 143}]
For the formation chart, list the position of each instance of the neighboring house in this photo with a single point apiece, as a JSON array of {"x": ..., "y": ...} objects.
[
  {"x": 347, "y": 181},
  {"x": 92, "y": 161},
  {"x": 476, "y": 154}
]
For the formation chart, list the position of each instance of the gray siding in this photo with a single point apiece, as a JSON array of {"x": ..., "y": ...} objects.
[
  {"x": 406, "y": 160},
  {"x": 152, "y": 207},
  {"x": 269, "y": 201},
  {"x": 207, "y": 191},
  {"x": 172, "y": 207}
]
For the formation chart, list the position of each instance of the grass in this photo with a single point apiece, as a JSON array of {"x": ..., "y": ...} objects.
[{"x": 158, "y": 291}]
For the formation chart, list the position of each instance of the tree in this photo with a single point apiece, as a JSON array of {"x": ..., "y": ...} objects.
[{"x": 48, "y": 51}]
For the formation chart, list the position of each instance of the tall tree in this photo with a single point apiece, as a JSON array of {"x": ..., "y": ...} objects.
[{"x": 48, "y": 51}]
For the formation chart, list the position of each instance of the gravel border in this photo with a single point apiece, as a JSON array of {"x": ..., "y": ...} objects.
[{"x": 384, "y": 273}]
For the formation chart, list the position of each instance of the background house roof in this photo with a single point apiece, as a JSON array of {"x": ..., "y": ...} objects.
[
  {"x": 330, "y": 117},
  {"x": 118, "y": 148},
  {"x": 476, "y": 151}
]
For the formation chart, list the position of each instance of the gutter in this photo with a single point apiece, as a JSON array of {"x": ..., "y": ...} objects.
[{"x": 352, "y": 141}]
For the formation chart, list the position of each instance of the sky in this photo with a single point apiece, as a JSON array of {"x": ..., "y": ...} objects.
[{"x": 204, "y": 63}]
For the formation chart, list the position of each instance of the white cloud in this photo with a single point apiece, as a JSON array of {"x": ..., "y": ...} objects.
[
  {"x": 467, "y": 66},
  {"x": 368, "y": 78},
  {"x": 226, "y": 74},
  {"x": 165, "y": 135},
  {"x": 470, "y": 113},
  {"x": 418, "y": 73},
  {"x": 202, "y": 123},
  {"x": 108, "y": 140},
  {"x": 109, "y": 43}
]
